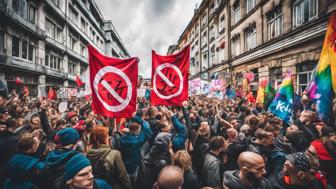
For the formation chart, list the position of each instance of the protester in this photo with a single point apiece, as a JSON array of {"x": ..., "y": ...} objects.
[
  {"x": 182, "y": 159},
  {"x": 107, "y": 163},
  {"x": 171, "y": 177},
  {"x": 204, "y": 136}
]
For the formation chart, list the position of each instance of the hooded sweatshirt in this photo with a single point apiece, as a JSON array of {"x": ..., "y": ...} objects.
[
  {"x": 22, "y": 171},
  {"x": 232, "y": 181}
]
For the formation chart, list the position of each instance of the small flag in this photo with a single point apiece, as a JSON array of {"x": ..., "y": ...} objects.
[
  {"x": 283, "y": 103},
  {"x": 25, "y": 91},
  {"x": 18, "y": 81},
  {"x": 79, "y": 82},
  {"x": 52, "y": 95},
  {"x": 269, "y": 93}
]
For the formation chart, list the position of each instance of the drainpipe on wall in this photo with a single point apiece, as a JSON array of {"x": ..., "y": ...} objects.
[{"x": 229, "y": 42}]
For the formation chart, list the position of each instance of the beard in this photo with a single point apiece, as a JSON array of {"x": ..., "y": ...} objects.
[{"x": 252, "y": 178}]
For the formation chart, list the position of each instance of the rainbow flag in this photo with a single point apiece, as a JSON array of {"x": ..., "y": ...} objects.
[
  {"x": 320, "y": 90},
  {"x": 269, "y": 94},
  {"x": 260, "y": 95},
  {"x": 283, "y": 103}
]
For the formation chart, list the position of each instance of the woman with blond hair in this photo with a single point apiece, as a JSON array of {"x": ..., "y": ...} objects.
[{"x": 182, "y": 159}]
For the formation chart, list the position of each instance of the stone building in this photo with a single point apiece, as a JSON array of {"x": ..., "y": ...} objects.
[
  {"x": 44, "y": 41},
  {"x": 229, "y": 38}
]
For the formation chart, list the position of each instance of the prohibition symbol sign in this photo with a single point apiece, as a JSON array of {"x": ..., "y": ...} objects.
[
  {"x": 99, "y": 78},
  {"x": 158, "y": 72}
]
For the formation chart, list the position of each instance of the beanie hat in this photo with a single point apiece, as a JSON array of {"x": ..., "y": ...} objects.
[
  {"x": 74, "y": 165},
  {"x": 71, "y": 114},
  {"x": 300, "y": 160},
  {"x": 163, "y": 139},
  {"x": 66, "y": 136}
]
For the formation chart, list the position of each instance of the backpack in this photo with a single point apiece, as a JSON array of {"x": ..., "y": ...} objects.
[
  {"x": 234, "y": 150},
  {"x": 102, "y": 170}
]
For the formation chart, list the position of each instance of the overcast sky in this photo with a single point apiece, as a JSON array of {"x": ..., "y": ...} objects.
[{"x": 144, "y": 25}]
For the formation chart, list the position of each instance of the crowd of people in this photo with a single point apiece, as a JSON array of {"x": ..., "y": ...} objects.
[{"x": 205, "y": 143}]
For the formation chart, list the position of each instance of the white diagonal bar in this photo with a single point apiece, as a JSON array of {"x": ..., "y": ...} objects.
[
  {"x": 113, "y": 93},
  {"x": 165, "y": 78}
]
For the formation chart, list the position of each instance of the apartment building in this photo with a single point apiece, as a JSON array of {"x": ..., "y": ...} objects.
[
  {"x": 229, "y": 38},
  {"x": 44, "y": 41}
]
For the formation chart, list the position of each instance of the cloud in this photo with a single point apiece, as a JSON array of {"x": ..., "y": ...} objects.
[{"x": 146, "y": 25}]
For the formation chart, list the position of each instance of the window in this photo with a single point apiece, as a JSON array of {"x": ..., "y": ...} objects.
[
  {"x": 24, "y": 49},
  {"x": 274, "y": 23},
  {"x": 276, "y": 77},
  {"x": 204, "y": 39},
  {"x": 57, "y": 2},
  {"x": 15, "y": 46},
  {"x": 205, "y": 60},
  {"x": 236, "y": 12},
  {"x": 2, "y": 42},
  {"x": 221, "y": 23},
  {"x": 72, "y": 67},
  {"x": 16, "y": 6},
  {"x": 73, "y": 14},
  {"x": 50, "y": 29},
  {"x": 53, "y": 60},
  {"x": 213, "y": 56},
  {"x": 251, "y": 38},
  {"x": 32, "y": 14},
  {"x": 204, "y": 20},
  {"x": 304, "y": 75},
  {"x": 83, "y": 50},
  {"x": 212, "y": 33},
  {"x": 59, "y": 34},
  {"x": 235, "y": 46},
  {"x": 72, "y": 42},
  {"x": 83, "y": 25},
  {"x": 303, "y": 11},
  {"x": 221, "y": 54},
  {"x": 250, "y": 4},
  {"x": 31, "y": 52}
]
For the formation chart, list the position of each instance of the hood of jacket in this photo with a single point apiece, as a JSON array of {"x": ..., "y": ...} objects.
[
  {"x": 281, "y": 145},
  {"x": 58, "y": 156},
  {"x": 96, "y": 154},
  {"x": 21, "y": 165}
]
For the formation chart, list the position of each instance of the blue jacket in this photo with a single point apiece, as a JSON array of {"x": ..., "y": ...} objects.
[
  {"x": 130, "y": 145},
  {"x": 21, "y": 167},
  {"x": 181, "y": 136}
]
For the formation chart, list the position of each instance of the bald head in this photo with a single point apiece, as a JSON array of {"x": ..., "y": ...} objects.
[
  {"x": 170, "y": 177},
  {"x": 248, "y": 159}
]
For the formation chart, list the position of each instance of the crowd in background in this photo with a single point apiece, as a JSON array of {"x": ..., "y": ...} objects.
[{"x": 205, "y": 143}]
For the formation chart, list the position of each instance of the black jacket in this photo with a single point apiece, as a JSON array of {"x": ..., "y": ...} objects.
[
  {"x": 8, "y": 146},
  {"x": 212, "y": 172},
  {"x": 151, "y": 166},
  {"x": 232, "y": 181},
  {"x": 190, "y": 181},
  {"x": 201, "y": 147},
  {"x": 277, "y": 182}
]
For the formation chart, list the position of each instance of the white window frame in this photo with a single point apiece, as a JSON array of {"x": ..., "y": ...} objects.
[
  {"x": 251, "y": 38},
  {"x": 275, "y": 23},
  {"x": 299, "y": 14},
  {"x": 250, "y": 4},
  {"x": 236, "y": 13}
]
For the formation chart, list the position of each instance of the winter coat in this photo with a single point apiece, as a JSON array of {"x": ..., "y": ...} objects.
[
  {"x": 232, "y": 181},
  {"x": 130, "y": 145},
  {"x": 190, "y": 180},
  {"x": 114, "y": 169},
  {"x": 212, "y": 172},
  {"x": 201, "y": 148},
  {"x": 153, "y": 125},
  {"x": 278, "y": 154},
  {"x": 24, "y": 172},
  {"x": 151, "y": 165},
  {"x": 277, "y": 182}
]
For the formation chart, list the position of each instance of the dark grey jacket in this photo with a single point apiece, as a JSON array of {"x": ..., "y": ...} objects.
[
  {"x": 232, "y": 181},
  {"x": 212, "y": 171}
]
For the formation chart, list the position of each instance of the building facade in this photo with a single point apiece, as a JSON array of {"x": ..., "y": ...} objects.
[
  {"x": 229, "y": 38},
  {"x": 44, "y": 42}
]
